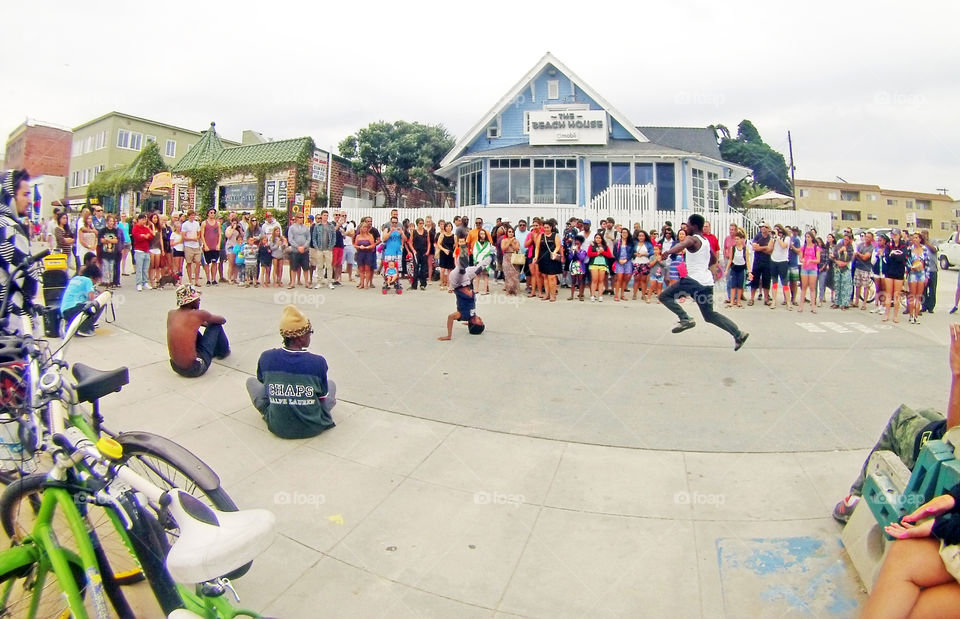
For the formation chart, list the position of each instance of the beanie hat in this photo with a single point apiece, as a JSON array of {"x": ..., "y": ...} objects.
[{"x": 293, "y": 322}]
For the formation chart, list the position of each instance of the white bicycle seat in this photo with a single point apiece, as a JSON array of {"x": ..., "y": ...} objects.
[{"x": 213, "y": 543}]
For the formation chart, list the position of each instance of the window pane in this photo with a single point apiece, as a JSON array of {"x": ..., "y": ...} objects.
[
  {"x": 566, "y": 186},
  {"x": 499, "y": 184},
  {"x": 666, "y": 187},
  {"x": 543, "y": 186},
  {"x": 643, "y": 174},
  {"x": 620, "y": 173},
  {"x": 599, "y": 177},
  {"x": 520, "y": 186}
]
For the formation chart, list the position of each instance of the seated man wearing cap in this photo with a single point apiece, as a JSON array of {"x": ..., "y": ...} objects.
[
  {"x": 291, "y": 389},
  {"x": 461, "y": 283},
  {"x": 190, "y": 350}
]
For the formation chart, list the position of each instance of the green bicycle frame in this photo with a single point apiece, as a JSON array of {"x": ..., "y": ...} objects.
[{"x": 41, "y": 548}]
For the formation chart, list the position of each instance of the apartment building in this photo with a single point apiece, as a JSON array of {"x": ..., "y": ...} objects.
[
  {"x": 114, "y": 140},
  {"x": 871, "y": 206}
]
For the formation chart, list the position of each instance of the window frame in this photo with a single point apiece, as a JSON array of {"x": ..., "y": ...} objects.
[{"x": 167, "y": 149}]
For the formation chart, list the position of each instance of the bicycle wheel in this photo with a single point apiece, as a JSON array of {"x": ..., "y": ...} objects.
[
  {"x": 19, "y": 588},
  {"x": 163, "y": 462}
]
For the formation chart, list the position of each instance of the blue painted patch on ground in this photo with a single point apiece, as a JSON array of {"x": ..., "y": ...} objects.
[{"x": 790, "y": 575}]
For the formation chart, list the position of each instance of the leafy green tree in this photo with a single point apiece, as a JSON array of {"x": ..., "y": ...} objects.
[
  {"x": 401, "y": 156},
  {"x": 748, "y": 149}
]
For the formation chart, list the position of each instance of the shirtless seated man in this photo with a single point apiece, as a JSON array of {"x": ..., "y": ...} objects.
[{"x": 190, "y": 350}]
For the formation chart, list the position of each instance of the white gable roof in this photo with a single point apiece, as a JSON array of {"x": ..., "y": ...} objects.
[{"x": 523, "y": 84}]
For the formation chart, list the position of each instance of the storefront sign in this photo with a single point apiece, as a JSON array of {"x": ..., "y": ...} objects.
[
  {"x": 298, "y": 198},
  {"x": 574, "y": 127},
  {"x": 319, "y": 172},
  {"x": 271, "y": 194},
  {"x": 282, "y": 194},
  {"x": 242, "y": 196}
]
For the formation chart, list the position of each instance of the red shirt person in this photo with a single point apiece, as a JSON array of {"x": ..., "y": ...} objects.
[{"x": 141, "y": 236}]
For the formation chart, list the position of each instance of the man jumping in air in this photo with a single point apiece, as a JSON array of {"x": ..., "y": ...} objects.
[{"x": 697, "y": 283}]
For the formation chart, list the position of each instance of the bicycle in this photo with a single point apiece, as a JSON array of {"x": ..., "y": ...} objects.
[
  {"x": 46, "y": 396},
  {"x": 211, "y": 542}
]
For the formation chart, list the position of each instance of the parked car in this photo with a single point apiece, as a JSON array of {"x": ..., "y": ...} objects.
[{"x": 948, "y": 252}]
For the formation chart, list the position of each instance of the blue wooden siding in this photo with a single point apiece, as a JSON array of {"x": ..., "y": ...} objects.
[{"x": 511, "y": 117}]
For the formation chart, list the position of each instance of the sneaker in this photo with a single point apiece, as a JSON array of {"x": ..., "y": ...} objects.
[
  {"x": 739, "y": 341},
  {"x": 148, "y": 286},
  {"x": 844, "y": 509},
  {"x": 593, "y": 298},
  {"x": 954, "y": 310},
  {"x": 600, "y": 298},
  {"x": 139, "y": 288},
  {"x": 683, "y": 326},
  {"x": 85, "y": 333},
  {"x": 336, "y": 283},
  {"x": 331, "y": 286}
]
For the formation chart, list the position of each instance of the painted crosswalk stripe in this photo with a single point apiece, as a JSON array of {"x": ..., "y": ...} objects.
[
  {"x": 809, "y": 326},
  {"x": 859, "y": 327},
  {"x": 836, "y": 327}
]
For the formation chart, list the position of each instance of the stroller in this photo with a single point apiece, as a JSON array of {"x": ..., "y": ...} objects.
[{"x": 391, "y": 277}]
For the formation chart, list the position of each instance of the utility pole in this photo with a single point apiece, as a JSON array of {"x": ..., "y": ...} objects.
[{"x": 793, "y": 175}]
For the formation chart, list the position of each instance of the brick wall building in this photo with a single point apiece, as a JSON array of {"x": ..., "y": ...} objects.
[{"x": 42, "y": 149}]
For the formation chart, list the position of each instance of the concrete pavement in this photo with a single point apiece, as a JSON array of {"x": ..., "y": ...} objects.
[{"x": 576, "y": 459}]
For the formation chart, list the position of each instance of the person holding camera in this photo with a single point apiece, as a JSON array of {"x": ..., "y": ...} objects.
[{"x": 779, "y": 265}]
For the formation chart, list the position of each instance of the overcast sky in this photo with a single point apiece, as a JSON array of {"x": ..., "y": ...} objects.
[{"x": 870, "y": 91}]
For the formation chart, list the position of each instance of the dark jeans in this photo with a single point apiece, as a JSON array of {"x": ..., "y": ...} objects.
[
  {"x": 703, "y": 297},
  {"x": 211, "y": 343},
  {"x": 87, "y": 324},
  {"x": 420, "y": 270},
  {"x": 930, "y": 294}
]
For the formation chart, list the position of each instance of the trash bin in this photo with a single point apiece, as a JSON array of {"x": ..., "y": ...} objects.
[{"x": 51, "y": 321}]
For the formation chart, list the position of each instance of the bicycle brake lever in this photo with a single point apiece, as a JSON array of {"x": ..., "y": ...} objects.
[{"x": 103, "y": 497}]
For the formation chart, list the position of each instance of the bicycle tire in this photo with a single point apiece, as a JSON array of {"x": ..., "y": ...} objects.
[
  {"x": 154, "y": 457},
  {"x": 16, "y": 592}
]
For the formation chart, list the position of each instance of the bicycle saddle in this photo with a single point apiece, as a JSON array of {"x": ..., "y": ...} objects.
[
  {"x": 93, "y": 384},
  {"x": 212, "y": 542}
]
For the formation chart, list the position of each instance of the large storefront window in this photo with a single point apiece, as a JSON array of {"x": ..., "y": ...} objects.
[
  {"x": 643, "y": 174},
  {"x": 554, "y": 181},
  {"x": 666, "y": 187},
  {"x": 699, "y": 189},
  {"x": 619, "y": 173},
  {"x": 510, "y": 181},
  {"x": 471, "y": 183},
  {"x": 599, "y": 177}
]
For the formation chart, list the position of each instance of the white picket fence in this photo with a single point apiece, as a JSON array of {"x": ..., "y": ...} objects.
[{"x": 627, "y": 204}]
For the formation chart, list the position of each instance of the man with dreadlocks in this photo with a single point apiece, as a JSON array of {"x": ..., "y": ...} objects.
[
  {"x": 291, "y": 389},
  {"x": 15, "y": 248}
]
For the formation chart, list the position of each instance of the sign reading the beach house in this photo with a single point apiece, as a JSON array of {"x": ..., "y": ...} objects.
[{"x": 573, "y": 127}]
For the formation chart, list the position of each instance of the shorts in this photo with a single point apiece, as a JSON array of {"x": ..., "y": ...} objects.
[
  {"x": 808, "y": 272},
  {"x": 178, "y": 253},
  {"x": 641, "y": 269},
  {"x": 466, "y": 304},
  {"x": 337, "y": 256},
  {"x": 211, "y": 256},
  {"x": 155, "y": 251},
  {"x": 299, "y": 261},
  {"x": 192, "y": 254},
  {"x": 793, "y": 274},
  {"x": 862, "y": 277},
  {"x": 778, "y": 272},
  {"x": 738, "y": 275},
  {"x": 914, "y": 277},
  {"x": 597, "y": 269}
]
